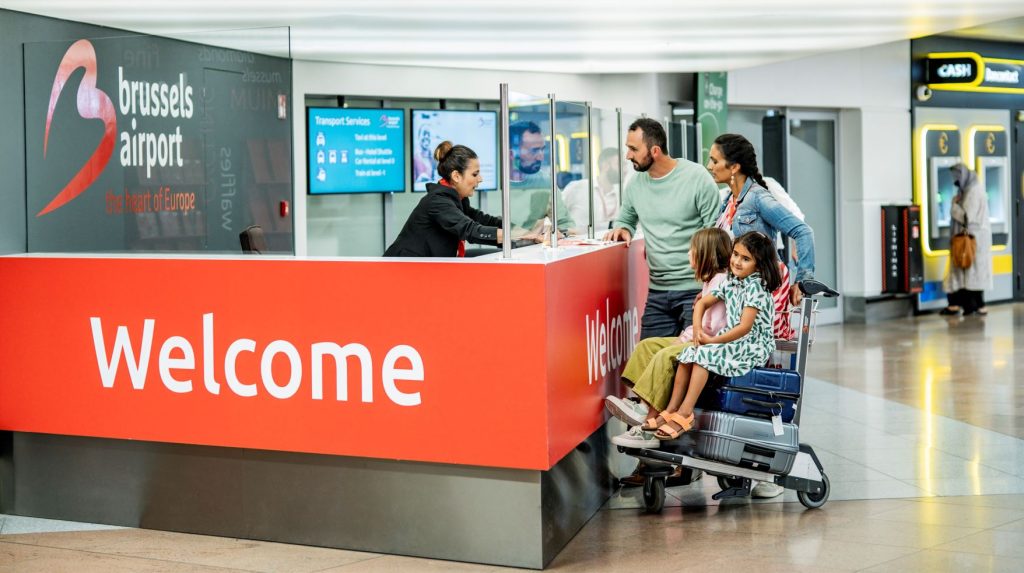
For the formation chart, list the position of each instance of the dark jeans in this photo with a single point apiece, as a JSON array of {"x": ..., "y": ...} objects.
[
  {"x": 969, "y": 300},
  {"x": 667, "y": 313}
]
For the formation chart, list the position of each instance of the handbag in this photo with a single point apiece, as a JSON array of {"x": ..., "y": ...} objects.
[{"x": 962, "y": 247}]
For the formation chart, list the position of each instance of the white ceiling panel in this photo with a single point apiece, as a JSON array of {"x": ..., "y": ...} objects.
[{"x": 596, "y": 36}]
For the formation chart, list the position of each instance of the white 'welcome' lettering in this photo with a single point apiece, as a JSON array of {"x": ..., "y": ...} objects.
[
  {"x": 176, "y": 359},
  {"x": 609, "y": 343}
]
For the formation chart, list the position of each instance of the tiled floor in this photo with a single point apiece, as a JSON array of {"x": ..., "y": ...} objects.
[{"x": 919, "y": 424}]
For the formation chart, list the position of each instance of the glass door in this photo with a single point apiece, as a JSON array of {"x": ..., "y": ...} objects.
[{"x": 812, "y": 182}]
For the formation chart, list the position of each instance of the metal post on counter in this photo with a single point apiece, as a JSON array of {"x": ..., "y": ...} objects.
[
  {"x": 554, "y": 186},
  {"x": 503, "y": 153},
  {"x": 622, "y": 145},
  {"x": 591, "y": 231}
]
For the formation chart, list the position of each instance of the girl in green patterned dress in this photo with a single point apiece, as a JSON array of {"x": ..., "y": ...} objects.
[{"x": 746, "y": 341}]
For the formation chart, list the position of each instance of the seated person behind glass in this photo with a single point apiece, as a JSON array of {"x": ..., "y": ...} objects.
[
  {"x": 576, "y": 194},
  {"x": 530, "y": 196},
  {"x": 443, "y": 219}
]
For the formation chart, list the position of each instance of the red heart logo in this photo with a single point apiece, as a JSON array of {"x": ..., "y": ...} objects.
[{"x": 92, "y": 104}]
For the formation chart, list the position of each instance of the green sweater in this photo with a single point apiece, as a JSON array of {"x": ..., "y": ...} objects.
[
  {"x": 670, "y": 210},
  {"x": 530, "y": 201}
]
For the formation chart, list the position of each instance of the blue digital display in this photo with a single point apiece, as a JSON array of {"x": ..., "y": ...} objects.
[{"x": 355, "y": 150}]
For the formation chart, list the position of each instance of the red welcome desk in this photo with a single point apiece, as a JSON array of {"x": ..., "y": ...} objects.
[{"x": 443, "y": 408}]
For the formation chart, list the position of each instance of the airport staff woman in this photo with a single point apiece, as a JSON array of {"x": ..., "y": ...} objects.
[{"x": 443, "y": 219}]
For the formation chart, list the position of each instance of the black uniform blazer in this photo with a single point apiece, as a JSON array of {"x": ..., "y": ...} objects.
[{"x": 439, "y": 222}]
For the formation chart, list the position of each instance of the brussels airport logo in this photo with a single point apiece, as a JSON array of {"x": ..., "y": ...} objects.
[
  {"x": 390, "y": 121},
  {"x": 92, "y": 104},
  {"x": 135, "y": 99}
]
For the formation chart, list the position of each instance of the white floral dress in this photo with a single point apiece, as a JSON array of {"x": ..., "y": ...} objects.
[{"x": 754, "y": 348}]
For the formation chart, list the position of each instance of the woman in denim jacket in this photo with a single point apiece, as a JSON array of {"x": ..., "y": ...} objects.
[{"x": 751, "y": 207}]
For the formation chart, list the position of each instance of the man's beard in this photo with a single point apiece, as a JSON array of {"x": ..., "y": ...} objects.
[
  {"x": 641, "y": 167},
  {"x": 529, "y": 168}
]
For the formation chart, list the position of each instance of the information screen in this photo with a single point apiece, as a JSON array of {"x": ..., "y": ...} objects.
[
  {"x": 355, "y": 150},
  {"x": 476, "y": 130}
]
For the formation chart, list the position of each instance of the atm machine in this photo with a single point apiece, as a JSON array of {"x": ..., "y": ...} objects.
[
  {"x": 978, "y": 138},
  {"x": 942, "y": 149},
  {"x": 990, "y": 150}
]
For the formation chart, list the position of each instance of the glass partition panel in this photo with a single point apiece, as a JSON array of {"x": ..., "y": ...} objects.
[
  {"x": 608, "y": 163},
  {"x": 530, "y": 170},
  {"x": 490, "y": 200},
  {"x": 571, "y": 155},
  {"x": 345, "y": 225},
  {"x": 143, "y": 143},
  {"x": 628, "y": 171}
]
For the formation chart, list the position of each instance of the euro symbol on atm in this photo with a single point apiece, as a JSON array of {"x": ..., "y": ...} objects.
[
  {"x": 990, "y": 142},
  {"x": 944, "y": 143}
]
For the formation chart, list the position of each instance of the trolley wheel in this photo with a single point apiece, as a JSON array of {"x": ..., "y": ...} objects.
[
  {"x": 654, "y": 494},
  {"x": 725, "y": 483},
  {"x": 815, "y": 500}
]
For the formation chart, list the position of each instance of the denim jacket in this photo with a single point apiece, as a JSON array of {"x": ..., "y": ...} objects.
[{"x": 757, "y": 210}]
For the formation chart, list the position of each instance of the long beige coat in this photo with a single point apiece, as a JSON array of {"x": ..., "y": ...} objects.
[{"x": 974, "y": 206}]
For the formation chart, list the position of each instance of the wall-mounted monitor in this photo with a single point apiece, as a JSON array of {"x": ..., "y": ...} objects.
[
  {"x": 355, "y": 150},
  {"x": 477, "y": 130}
]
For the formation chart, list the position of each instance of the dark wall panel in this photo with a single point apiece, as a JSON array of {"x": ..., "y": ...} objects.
[
  {"x": 130, "y": 143},
  {"x": 15, "y": 29}
]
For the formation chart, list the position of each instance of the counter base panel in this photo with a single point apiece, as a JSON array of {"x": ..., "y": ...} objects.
[{"x": 497, "y": 516}]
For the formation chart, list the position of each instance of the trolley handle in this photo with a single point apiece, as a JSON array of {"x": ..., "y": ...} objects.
[
  {"x": 755, "y": 402},
  {"x": 811, "y": 287}
]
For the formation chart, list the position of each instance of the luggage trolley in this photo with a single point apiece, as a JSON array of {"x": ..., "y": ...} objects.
[{"x": 754, "y": 447}]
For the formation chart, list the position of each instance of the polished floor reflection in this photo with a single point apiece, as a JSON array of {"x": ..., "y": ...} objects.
[
  {"x": 919, "y": 423},
  {"x": 965, "y": 368}
]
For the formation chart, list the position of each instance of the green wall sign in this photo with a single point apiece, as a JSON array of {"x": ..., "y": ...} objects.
[{"x": 712, "y": 108}]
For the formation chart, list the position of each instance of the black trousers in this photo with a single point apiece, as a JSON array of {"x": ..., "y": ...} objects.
[
  {"x": 667, "y": 312},
  {"x": 969, "y": 300}
]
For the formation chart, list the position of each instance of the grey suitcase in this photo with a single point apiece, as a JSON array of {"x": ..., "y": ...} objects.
[{"x": 746, "y": 441}]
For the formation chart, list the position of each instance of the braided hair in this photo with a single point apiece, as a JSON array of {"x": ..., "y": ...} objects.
[{"x": 737, "y": 150}]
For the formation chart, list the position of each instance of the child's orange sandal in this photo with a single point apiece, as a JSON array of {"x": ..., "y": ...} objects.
[
  {"x": 652, "y": 425},
  {"x": 667, "y": 432}
]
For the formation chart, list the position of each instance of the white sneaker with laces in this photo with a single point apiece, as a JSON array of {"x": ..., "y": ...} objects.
[
  {"x": 766, "y": 489},
  {"x": 630, "y": 412},
  {"x": 636, "y": 437}
]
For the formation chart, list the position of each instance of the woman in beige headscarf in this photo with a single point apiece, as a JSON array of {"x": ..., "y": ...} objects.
[{"x": 965, "y": 287}]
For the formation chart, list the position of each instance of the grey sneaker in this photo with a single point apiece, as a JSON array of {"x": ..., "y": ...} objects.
[
  {"x": 766, "y": 489},
  {"x": 636, "y": 437},
  {"x": 630, "y": 412}
]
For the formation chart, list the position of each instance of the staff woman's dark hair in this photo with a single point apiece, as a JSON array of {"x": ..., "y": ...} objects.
[
  {"x": 767, "y": 262},
  {"x": 451, "y": 158},
  {"x": 737, "y": 150}
]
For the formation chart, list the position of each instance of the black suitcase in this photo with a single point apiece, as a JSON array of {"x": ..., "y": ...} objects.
[
  {"x": 762, "y": 392},
  {"x": 746, "y": 441}
]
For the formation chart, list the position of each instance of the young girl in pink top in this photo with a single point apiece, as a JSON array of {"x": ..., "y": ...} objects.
[{"x": 651, "y": 367}]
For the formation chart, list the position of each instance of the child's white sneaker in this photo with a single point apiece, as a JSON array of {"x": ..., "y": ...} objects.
[
  {"x": 636, "y": 437},
  {"x": 630, "y": 412},
  {"x": 766, "y": 489}
]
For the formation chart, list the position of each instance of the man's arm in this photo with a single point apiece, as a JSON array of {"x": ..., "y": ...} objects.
[{"x": 708, "y": 200}]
